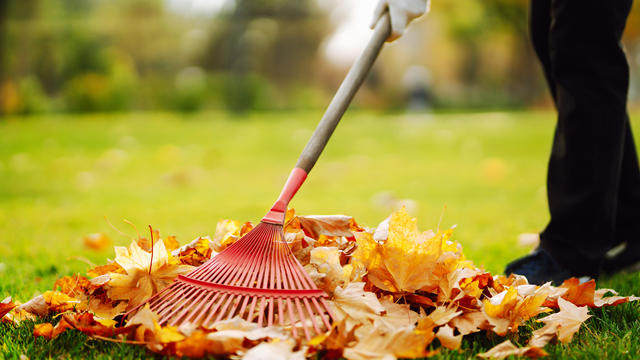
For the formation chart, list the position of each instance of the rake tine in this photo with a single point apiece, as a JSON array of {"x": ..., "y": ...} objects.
[
  {"x": 235, "y": 306},
  {"x": 215, "y": 309},
  {"x": 293, "y": 321},
  {"x": 303, "y": 319},
  {"x": 182, "y": 305},
  {"x": 224, "y": 308},
  {"x": 244, "y": 305},
  {"x": 321, "y": 312},
  {"x": 209, "y": 303},
  {"x": 312, "y": 315},
  {"x": 270, "y": 312},
  {"x": 280, "y": 316},
  {"x": 261, "y": 312},
  {"x": 198, "y": 300},
  {"x": 171, "y": 303},
  {"x": 251, "y": 308}
]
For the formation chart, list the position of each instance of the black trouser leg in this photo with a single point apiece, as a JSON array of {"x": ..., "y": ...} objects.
[
  {"x": 588, "y": 75},
  {"x": 628, "y": 219}
]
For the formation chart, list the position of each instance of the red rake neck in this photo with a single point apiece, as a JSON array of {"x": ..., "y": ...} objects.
[{"x": 277, "y": 213}]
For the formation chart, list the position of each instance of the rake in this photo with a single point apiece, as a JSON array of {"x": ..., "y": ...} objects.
[{"x": 258, "y": 278}]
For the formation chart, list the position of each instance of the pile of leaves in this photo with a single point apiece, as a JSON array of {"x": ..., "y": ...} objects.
[{"x": 395, "y": 292}]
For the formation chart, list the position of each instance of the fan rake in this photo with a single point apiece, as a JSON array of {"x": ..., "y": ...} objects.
[{"x": 258, "y": 278}]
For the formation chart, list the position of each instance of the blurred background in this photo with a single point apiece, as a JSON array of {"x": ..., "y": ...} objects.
[
  {"x": 178, "y": 113},
  {"x": 244, "y": 55}
]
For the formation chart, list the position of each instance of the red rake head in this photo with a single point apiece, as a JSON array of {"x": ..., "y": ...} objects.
[{"x": 257, "y": 278}]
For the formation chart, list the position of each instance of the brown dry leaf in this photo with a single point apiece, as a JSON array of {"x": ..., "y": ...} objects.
[
  {"x": 315, "y": 226},
  {"x": 447, "y": 339},
  {"x": 570, "y": 317},
  {"x": 5, "y": 306},
  {"x": 335, "y": 340},
  {"x": 470, "y": 322},
  {"x": 59, "y": 302},
  {"x": 506, "y": 349},
  {"x": 74, "y": 286},
  {"x": 45, "y": 330},
  {"x": 541, "y": 337},
  {"x": 396, "y": 315},
  {"x": 442, "y": 315},
  {"x": 195, "y": 253},
  {"x": 106, "y": 309},
  {"x": 50, "y": 301},
  {"x": 600, "y": 300},
  {"x": 579, "y": 294},
  {"x": 274, "y": 349},
  {"x": 97, "y": 241},
  {"x": 143, "y": 277},
  {"x": 357, "y": 305},
  {"x": 326, "y": 261},
  {"x": 381, "y": 343}
]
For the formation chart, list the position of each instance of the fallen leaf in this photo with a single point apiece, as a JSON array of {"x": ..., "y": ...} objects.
[
  {"x": 447, "y": 339},
  {"x": 569, "y": 319},
  {"x": 5, "y": 306},
  {"x": 43, "y": 330},
  {"x": 145, "y": 274},
  {"x": 96, "y": 241},
  {"x": 506, "y": 349}
]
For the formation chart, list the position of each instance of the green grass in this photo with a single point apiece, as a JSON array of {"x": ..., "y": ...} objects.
[{"x": 60, "y": 176}]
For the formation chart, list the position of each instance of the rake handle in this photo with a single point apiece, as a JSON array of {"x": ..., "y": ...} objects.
[
  {"x": 341, "y": 100},
  {"x": 339, "y": 104}
]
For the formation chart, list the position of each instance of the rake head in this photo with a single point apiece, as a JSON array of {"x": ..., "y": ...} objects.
[{"x": 257, "y": 278}]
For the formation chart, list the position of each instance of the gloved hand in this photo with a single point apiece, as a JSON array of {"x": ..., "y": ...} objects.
[{"x": 401, "y": 12}]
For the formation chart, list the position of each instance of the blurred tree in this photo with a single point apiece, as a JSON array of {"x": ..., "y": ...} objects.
[{"x": 274, "y": 40}]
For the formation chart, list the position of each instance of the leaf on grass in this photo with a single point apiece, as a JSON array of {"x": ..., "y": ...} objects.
[
  {"x": 579, "y": 294},
  {"x": 470, "y": 322},
  {"x": 381, "y": 343},
  {"x": 541, "y": 337},
  {"x": 274, "y": 349},
  {"x": 74, "y": 286},
  {"x": 5, "y": 306},
  {"x": 447, "y": 339},
  {"x": 143, "y": 277},
  {"x": 43, "y": 330},
  {"x": 96, "y": 241},
  {"x": 569, "y": 319},
  {"x": 506, "y": 349}
]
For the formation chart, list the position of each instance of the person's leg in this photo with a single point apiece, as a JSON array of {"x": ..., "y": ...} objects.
[
  {"x": 539, "y": 26},
  {"x": 628, "y": 220},
  {"x": 591, "y": 76}
]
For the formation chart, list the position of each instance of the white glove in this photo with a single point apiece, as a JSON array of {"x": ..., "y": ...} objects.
[{"x": 401, "y": 12}]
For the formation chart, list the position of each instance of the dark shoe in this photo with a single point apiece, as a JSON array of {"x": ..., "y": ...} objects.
[
  {"x": 628, "y": 260},
  {"x": 539, "y": 267}
]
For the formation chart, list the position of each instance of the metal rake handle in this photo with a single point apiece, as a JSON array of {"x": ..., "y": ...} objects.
[{"x": 341, "y": 100}]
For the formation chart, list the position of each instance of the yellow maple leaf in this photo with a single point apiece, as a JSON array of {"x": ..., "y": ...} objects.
[
  {"x": 408, "y": 260},
  {"x": 144, "y": 275}
]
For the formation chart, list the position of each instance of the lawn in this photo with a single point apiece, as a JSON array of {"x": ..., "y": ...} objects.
[{"x": 61, "y": 176}]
